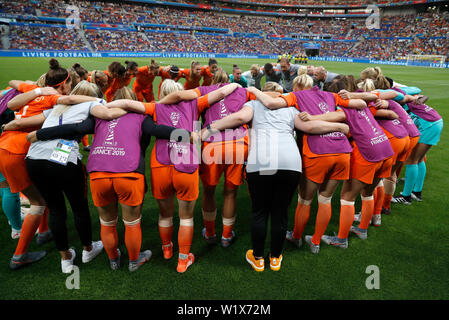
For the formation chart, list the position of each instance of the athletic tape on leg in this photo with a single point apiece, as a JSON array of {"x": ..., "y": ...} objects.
[
  {"x": 132, "y": 223},
  {"x": 186, "y": 222},
  {"x": 109, "y": 223},
  {"x": 165, "y": 222},
  {"x": 37, "y": 210},
  {"x": 324, "y": 200}
]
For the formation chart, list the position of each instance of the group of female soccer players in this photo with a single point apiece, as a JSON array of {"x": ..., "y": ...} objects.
[{"x": 356, "y": 132}]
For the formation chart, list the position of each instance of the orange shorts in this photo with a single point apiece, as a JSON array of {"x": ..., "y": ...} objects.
[
  {"x": 411, "y": 146},
  {"x": 366, "y": 171},
  {"x": 400, "y": 148},
  {"x": 224, "y": 157},
  {"x": 319, "y": 169},
  {"x": 13, "y": 168},
  {"x": 211, "y": 174},
  {"x": 166, "y": 181},
  {"x": 126, "y": 190}
]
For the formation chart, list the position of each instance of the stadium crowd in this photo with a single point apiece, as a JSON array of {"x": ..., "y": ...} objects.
[
  {"x": 419, "y": 30},
  {"x": 106, "y": 40},
  {"x": 41, "y": 38},
  {"x": 317, "y": 2}
]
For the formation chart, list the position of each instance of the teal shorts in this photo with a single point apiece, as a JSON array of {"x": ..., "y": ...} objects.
[
  {"x": 411, "y": 90},
  {"x": 2, "y": 178},
  {"x": 430, "y": 135}
]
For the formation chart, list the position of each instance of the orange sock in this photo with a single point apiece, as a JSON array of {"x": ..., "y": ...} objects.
[
  {"x": 379, "y": 200},
  {"x": 346, "y": 218},
  {"x": 185, "y": 236},
  {"x": 228, "y": 225},
  {"x": 209, "y": 222},
  {"x": 227, "y": 231},
  {"x": 29, "y": 227},
  {"x": 387, "y": 201},
  {"x": 301, "y": 218},
  {"x": 322, "y": 220},
  {"x": 109, "y": 238},
  {"x": 43, "y": 226},
  {"x": 165, "y": 229},
  {"x": 367, "y": 212},
  {"x": 210, "y": 228},
  {"x": 133, "y": 239}
]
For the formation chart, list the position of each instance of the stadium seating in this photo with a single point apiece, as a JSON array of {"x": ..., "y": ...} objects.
[{"x": 43, "y": 38}]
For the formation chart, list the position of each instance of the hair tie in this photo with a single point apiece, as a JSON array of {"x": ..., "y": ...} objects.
[{"x": 57, "y": 85}]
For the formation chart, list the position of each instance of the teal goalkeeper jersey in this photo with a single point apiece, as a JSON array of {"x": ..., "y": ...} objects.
[{"x": 243, "y": 82}]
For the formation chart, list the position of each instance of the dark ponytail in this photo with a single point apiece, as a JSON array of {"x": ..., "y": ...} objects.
[
  {"x": 116, "y": 69},
  {"x": 56, "y": 76},
  {"x": 130, "y": 65},
  {"x": 82, "y": 72}
]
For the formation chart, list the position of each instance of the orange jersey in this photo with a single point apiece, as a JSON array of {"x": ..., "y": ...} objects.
[
  {"x": 292, "y": 102},
  {"x": 144, "y": 79},
  {"x": 191, "y": 82},
  {"x": 249, "y": 96},
  {"x": 15, "y": 141},
  {"x": 165, "y": 74},
  {"x": 207, "y": 76},
  {"x": 110, "y": 81},
  {"x": 116, "y": 84},
  {"x": 125, "y": 81}
]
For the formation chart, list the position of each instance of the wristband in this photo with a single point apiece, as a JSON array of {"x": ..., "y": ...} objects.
[{"x": 38, "y": 91}]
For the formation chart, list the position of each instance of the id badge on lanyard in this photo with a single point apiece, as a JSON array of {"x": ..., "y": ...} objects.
[{"x": 62, "y": 150}]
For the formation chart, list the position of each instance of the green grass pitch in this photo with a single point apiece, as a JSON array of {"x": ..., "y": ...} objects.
[{"x": 410, "y": 248}]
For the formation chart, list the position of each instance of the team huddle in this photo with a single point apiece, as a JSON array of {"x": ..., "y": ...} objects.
[{"x": 306, "y": 130}]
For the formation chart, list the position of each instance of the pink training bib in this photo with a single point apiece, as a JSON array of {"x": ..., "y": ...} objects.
[
  {"x": 369, "y": 137},
  {"x": 182, "y": 155},
  {"x": 315, "y": 102},
  {"x": 116, "y": 144}
]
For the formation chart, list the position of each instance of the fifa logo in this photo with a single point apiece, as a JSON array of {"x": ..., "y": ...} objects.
[
  {"x": 323, "y": 107},
  {"x": 110, "y": 136},
  {"x": 174, "y": 117},
  {"x": 375, "y": 131},
  {"x": 223, "y": 110}
]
